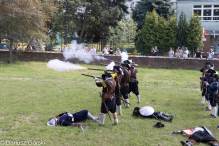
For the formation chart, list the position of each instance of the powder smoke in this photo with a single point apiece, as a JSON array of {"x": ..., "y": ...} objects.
[
  {"x": 110, "y": 66},
  {"x": 77, "y": 51},
  {"x": 63, "y": 66}
]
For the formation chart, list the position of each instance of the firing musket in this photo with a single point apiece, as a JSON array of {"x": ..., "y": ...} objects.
[
  {"x": 92, "y": 76},
  {"x": 99, "y": 69},
  {"x": 105, "y": 106}
]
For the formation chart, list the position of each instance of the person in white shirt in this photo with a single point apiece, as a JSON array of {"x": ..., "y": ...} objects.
[
  {"x": 105, "y": 50},
  {"x": 211, "y": 54},
  {"x": 64, "y": 49},
  {"x": 171, "y": 52},
  {"x": 93, "y": 50},
  {"x": 185, "y": 53}
]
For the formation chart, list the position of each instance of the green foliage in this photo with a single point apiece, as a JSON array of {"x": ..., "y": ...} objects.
[
  {"x": 147, "y": 37},
  {"x": 124, "y": 33},
  {"x": 182, "y": 28},
  {"x": 157, "y": 32},
  {"x": 163, "y": 8},
  {"x": 31, "y": 93},
  {"x": 194, "y": 33}
]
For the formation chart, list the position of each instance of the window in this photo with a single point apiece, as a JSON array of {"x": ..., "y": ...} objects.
[{"x": 207, "y": 12}]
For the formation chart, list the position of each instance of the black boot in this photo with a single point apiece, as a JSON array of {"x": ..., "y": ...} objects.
[
  {"x": 166, "y": 115},
  {"x": 186, "y": 143},
  {"x": 165, "y": 118}
]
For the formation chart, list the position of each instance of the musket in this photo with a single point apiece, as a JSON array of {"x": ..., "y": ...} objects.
[
  {"x": 103, "y": 64},
  {"x": 99, "y": 69},
  {"x": 105, "y": 106},
  {"x": 92, "y": 76},
  {"x": 123, "y": 100}
]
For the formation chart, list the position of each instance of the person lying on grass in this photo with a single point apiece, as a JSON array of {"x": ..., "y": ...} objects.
[
  {"x": 148, "y": 111},
  {"x": 68, "y": 119}
]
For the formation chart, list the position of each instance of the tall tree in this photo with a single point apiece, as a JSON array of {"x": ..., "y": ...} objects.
[
  {"x": 124, "y": 32},
  {"x": 171, "y": 32},
  {"x": 147, "y": 37},
  {"x": 181, "y": 33},
  {"x": 194, "y": 33},
  {"x": 162, "y": 7},
  {"x": 24, "y": 19}
]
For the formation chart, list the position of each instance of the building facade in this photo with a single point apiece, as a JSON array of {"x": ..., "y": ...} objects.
[{"x": 208, "y": 11}]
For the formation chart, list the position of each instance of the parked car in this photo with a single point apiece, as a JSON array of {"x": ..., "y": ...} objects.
[{"x": 4, "y": 46}]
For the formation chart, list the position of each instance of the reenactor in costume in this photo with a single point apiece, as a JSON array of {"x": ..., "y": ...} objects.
[
  {"x": 148, "y": 111},
  {"x": 68, "y": 119},
  {"x": 133, "y": 83},
  {"x": 108, "y": 97},
  {"x": 205, "y": 77},
  {"x": 201, "y": 134},
  {"x": 119, "y": 73},
  {"x": 124, "y": 85},
  {"x": 213, "y": 94}
]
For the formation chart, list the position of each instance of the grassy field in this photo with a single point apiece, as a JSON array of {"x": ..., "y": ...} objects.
[{"x": 31, "y": 93}]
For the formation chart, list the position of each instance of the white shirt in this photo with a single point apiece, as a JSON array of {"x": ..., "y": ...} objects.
[
  {"x": 105, "y": 50},
  {"x": 210, "y": 55},
  {"x": 186, "y": 54},
  {"x": 93, "y": 50}
]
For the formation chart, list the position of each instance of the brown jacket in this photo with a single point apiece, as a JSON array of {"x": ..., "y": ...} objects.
[
  {"x": 133, "y": 77},
  {"x": 108, "y": 87},
  {"x": 125, "y": 78}
]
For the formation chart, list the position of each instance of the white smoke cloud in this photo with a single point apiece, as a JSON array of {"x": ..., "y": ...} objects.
[
  {"x": 124, "y": 56},
  {"x": 110, "y": 66},
  {"x": 59, "y": 65},
  {"x": 77, "y": 51}
]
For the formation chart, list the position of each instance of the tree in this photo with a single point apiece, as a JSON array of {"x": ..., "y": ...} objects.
[
  {"x": 194, "y": 33},
  {"x": 171, "y": 32},
  {"x": 124, "y": 32},
  {"x": 161, "y": 34},
  {"x": 182, "y": 28},
  {"x": 162, "y": 7},
  {"x": 148, "y": 32},
  {"x": 24, "y": 19}
]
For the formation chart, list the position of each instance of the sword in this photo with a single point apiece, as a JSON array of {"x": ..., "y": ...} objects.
[{"x": 82, "y": 128}]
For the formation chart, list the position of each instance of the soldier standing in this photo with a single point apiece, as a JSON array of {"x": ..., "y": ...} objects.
[
  {"x": 133, "y": 83},
  {"x": 108, "y": 97}
]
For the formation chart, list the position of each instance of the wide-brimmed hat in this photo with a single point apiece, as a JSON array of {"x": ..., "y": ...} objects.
[
  {"x": 204, "y": 68},
  {"x": 52, "y": 122},
  {"x": 126, "y": 65},
  {"x": 211, "y": 71},
  {"x": 159, "y": 125},
  {"x": 215, "y": 76}
]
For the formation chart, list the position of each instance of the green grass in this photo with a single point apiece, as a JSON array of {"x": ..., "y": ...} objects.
[{"x": 31, "y": 93}]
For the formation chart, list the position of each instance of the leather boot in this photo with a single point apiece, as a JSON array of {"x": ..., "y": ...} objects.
[{"x": 164, "y": 118}]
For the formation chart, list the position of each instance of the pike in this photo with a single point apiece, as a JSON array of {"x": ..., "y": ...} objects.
[
  {"x": 105, "y": 106},
  {"x": 99, "y": 69},
  {"x": 92, "y": 76}
]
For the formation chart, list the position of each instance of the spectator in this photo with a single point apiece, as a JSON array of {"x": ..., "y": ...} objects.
[
  {"x": 177, "y": 53},
  {"x": 89, "y": 50},
  {"x": 64, "y": 49},
  {"x": 118, "y": 52},
  {"x": 34, "y": 48},
  {"x": 171, "y": 52},
  {"x": 181, "y": 51},
  {"x": 185, "y": 53},
  {"x": 211, "y": 54},
  {"x": 93, "y": 50},
  {"x": 105, "y": 50},
  {"x": 110, "y": 50},
  {"x": 198, "y": 54},
  {"x": 28, "y": 48},
  {"x": 16, "y": 48},
  {"x": 124, "y": 50},
  {"x": 155, "y": 51}
]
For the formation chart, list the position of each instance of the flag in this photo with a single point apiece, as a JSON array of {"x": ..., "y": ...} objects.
[
  {"x": 214, "y": 33},
  {"x": 204, "y": 32}
]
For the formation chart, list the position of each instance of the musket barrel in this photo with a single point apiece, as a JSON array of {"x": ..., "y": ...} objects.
[
  {"x": 99, "y": 69},
  {"x": 91, "y": 76}
]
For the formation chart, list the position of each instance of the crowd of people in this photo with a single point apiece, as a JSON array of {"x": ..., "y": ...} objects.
[{"x": 109, "y": 51}]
